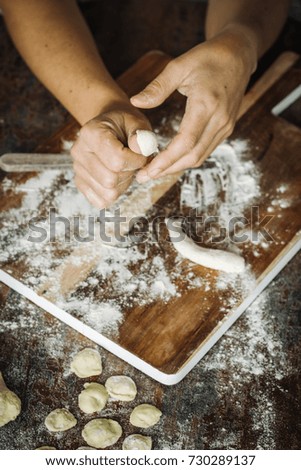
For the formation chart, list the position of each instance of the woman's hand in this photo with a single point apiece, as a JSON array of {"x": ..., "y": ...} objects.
[
  {"x": 106, "y": 154},
  {"x": 213, "y": 76}
]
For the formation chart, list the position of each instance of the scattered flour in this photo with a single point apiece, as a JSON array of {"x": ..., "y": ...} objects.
[
  {"x": 102, "y": 316},
  {"x": 250, "y": 351},
  {"x": 253, "y": 351},
  {"x": 122, "y": 278},
  {"x": 228, "y": 180}
]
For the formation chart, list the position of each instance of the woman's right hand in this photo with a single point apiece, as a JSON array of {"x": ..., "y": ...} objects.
[{"x": 106, "y": 154}]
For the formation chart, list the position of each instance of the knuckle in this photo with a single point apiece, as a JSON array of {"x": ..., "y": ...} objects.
[
  {"x": 92, "y": 134},
  {"x": 111, "y": 195},
  {"x": 196, "y": 164},
  {"x": 110, "y": 181},
  {"x": 201, "y": 107},
  {"x": 212, "y": 102},
  {"x": 189, "y": 142},
  {"x": 193, "y": 160},
  {"x": 156, "y": 86},
  {"x": 125, "y": 177},
  {"x": 117, "y": 164},
  {"x": 224, "y": 117},
  {"x": 171, "y": 67},
  {"x": 75, "y": 151},
  {"x": 85, "y": 131},
  {"x": 230, "y": 126}
]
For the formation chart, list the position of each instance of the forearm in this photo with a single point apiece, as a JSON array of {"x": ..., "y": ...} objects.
[
  {"x": 256, "y": 23},
  {"x": 56, "y": 43}
]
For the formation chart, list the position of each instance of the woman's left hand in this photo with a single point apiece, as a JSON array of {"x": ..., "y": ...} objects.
[{"x": 213, "y": 76}]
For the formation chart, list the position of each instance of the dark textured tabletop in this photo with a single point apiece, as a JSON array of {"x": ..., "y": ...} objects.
[{"x": 245, "y": 393}]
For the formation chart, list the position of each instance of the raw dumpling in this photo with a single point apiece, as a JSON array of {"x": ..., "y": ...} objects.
[
  {"x": 87, "y": 363},
  {"x": 145, "y": 416}
]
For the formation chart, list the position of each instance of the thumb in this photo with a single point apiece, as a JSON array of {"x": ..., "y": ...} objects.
[
  {"x": 135, "y": 125},
  {"x": 133, "y": 143},
  {"x": 156, "y": 91}
]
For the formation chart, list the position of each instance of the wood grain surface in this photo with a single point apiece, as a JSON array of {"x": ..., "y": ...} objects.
[
  {"x": 244, "y": 394},
  {"x": 158, "y": 331}
]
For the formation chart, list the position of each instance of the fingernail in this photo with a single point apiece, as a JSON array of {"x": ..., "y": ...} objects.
[
  {"x": 155, "y": 172},
  {"x": 135, "y": 97}
]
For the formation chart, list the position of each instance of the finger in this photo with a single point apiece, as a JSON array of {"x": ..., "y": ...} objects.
[
  {"x": 125, "y": 178},
  {"x": 132, "y": 125},
  {"x": 95, "y": 167},
  {"x": 198, "y": 156},
  {"x": 108, "y": 195},
  {"x": 99, "y": 171},
  {"x": 92, "y": 197},
  {"x": 158, "y": 90},
  {"x": 133, "y": 144},
  {"x": 109, "y": 149},
  {"x": 191, "y": 129}
]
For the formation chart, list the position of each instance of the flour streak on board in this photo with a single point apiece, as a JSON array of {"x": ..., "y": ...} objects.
[{"x": 121, "y": 279}]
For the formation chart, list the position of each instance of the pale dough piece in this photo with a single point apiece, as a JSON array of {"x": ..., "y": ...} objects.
[
  {"x": 93, "y": 398},
  {"x": 121, "y": 387},
  {"x": 85, "y": 448},
  {"x": 210, "y": 258},
  {"x": 45, "y": 448},
  {"x": 145, "y": 416},
  {"x": 101, "y": 432},
  {"x": 10, "y": 404},
  {"x": 60, "y": 420},
  {"x": 86, "y": 363},
  {"x": 137, "y": 442},
  {"x": 147, "y": 142}
]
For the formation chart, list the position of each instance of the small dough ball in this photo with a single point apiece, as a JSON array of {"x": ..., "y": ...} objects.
[
  {"x": 145, "y": 416},
  {"x": 137, "y": 442},
  {"x": 121, "y": 387},
  {"x": 101, "y": 433},
  {"x": 85, "y": 448},
  {"x": 87, "y": 363},
  {"x": 45, "y": 448},
  {"x": 147, "y": 142},
  {"x": 10, "y": 407},
  {"x": 93, "y": 398},
  {"x": 10, "y": 404},
  {"x": 60, "y": 420}
]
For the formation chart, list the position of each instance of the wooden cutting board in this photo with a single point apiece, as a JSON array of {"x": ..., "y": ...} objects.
[{"x": 144, "y": 303}]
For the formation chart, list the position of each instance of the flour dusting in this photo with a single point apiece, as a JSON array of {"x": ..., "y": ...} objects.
[
  {"x": 228, "y": 180},
  {"x": 101, "y": 316},
  {"x": 122, "y": 278}
]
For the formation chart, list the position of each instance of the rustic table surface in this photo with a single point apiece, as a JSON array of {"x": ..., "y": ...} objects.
[{"x": 244, "y": 394}]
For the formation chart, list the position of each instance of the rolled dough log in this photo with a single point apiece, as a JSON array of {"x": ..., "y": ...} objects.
[{"x": 210, "y": 258}]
